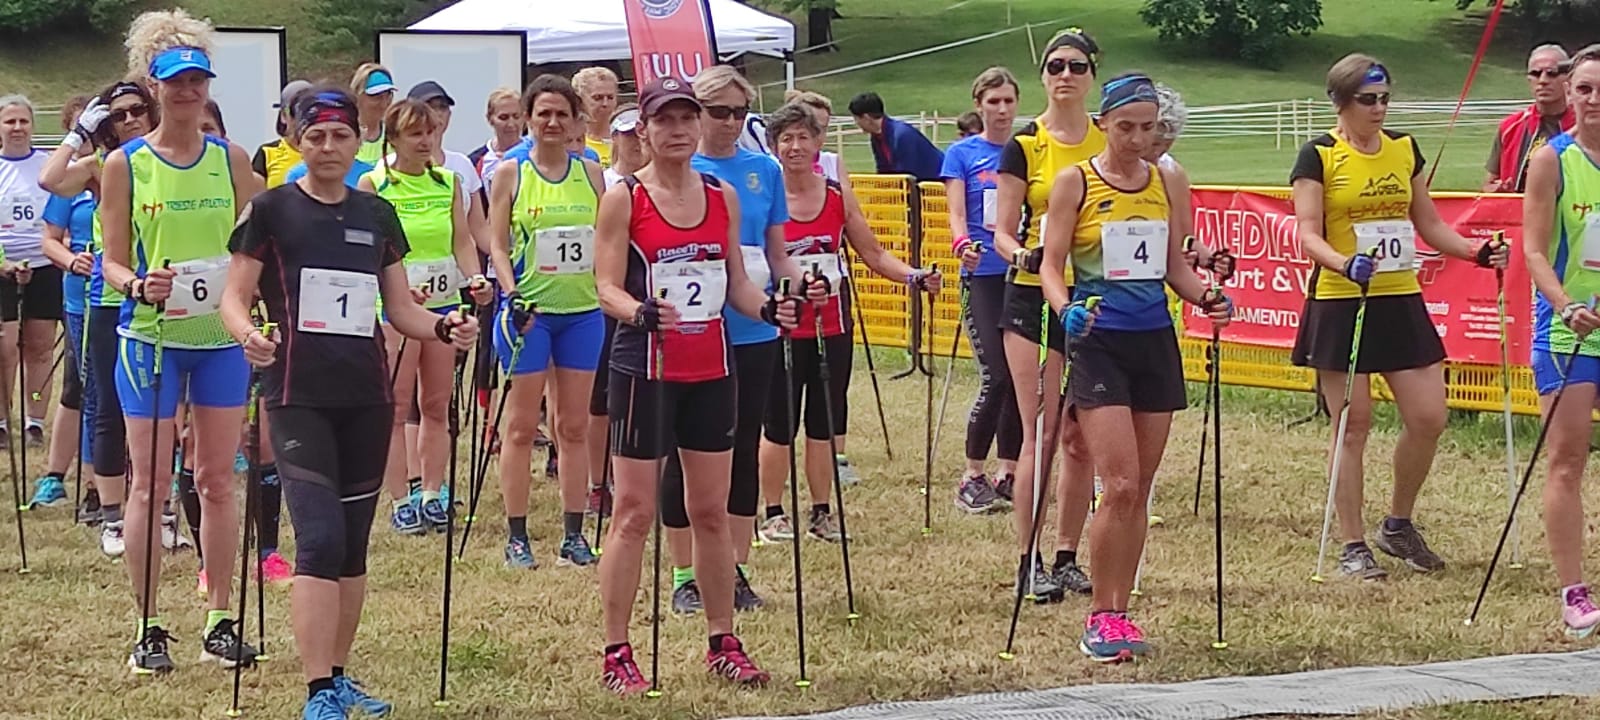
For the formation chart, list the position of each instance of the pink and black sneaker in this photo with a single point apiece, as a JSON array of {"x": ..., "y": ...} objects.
[
  {"x": 727, "y": 659},
  {"x": 620, "y": 674}
]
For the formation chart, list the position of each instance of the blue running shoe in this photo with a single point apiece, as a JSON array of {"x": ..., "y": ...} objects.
[
  {"x": 354, "y": 697},
  {"x": 48, "y": 492},
  {"x": 434, "y": 514},
  {"x": 575, "y": 551},
  {"x": 406, "y": 520},
  {"x": 519, "y": 554},
  {"x": 1110, "y": 637},
  {"x": 324, "y": 705}
]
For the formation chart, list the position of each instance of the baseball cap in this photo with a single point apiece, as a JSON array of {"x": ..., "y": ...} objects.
[
  {"x": 429, "y": 90},
  {"x": 378, "y": 83},
  {"x": 295, "y": 87},
  {"x": 625, "y": 120},
  {"x": 663, "y": 90},
  {"x": 168, "y": 63}
]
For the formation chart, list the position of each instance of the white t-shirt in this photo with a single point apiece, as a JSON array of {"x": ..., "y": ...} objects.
[
  {"x": 828, "y": 162},
  {"x": 612, "y": 177},
  {"x": 754, "y": 135},
  {"x": 22, "y": 204}
]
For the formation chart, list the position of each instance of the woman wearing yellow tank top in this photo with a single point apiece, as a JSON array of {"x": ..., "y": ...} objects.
[
  {"x": 169, "y": 201},
  {"x": 433, "y": 213},
  {"x": 1061, "y": 136},
  {"x": 1361, "y": 201}
]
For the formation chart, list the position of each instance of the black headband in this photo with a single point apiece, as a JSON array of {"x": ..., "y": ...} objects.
[
  {"x": 1074, "y": 38},
  {"x": 123, "y": 88},
  {"x": 313, "y": 109}
]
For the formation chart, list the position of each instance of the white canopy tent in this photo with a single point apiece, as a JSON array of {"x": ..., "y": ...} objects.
[{"x": 590, "y": 30}]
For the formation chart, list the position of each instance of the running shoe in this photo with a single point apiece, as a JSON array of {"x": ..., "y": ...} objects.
[
  {"x": 976, "y": 496},
  {"x": 35, "y": 434},
  {"x": 435, "y": 514},
  {"x": 729, "y": 661},
  {"x": 224, "y": 647},
  {"x": 686, "y": 599},
  {"x": 48, "y": 492},
  {"x": 1108, "y": 637},
  {"x": 599, "y": 502},
  {"x": 276, "y": 570},
  {"x": 1004, "y": 487},
  {"x": 1155, "y": 521},
  {"x": 744, "y": 596},
  {"x": 519, "y": 554},
  {"x": 240, "y": 463},
  {"x": 776, "y": 529},
  {"x": 1072, "y": 578},
  {"x": 1356, "y": 561},
  {"x": 824, "y": 527},
  {"x": 620, "y": 674},
  {"x": 575, "y": 552},
  {"x": 5, "y": 439},
  {"x": 88, "y": 512},
  {"x": 353, "y": 696},
  {"x": 111, "y": 542},
  {"x": 150, "y": 652},
  {"x": 847, "y": 472},
  {"x": 406, "y": 521},
  {"x": 171, "y": 539},
  {"x": 1038, "y": 584},
  {"x": 1578, "y": 612},
  {"x": 324, "y": 705},
  {"x": 1407, "y": 544}
]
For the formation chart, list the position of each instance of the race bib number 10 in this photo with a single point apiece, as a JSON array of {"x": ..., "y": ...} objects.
[
  {"x": 697, "y": 289},
  {"x": 1394, "y": 240},
  {"x": 197, "y": 289}
]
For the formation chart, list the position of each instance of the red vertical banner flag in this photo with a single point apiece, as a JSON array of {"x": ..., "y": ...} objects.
[{"x": 669, "y": 37}]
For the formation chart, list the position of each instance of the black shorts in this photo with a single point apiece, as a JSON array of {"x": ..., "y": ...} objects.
[
  {"x": 808, "y": 377},
  {"x": 41, "y": 297},
  {"x": 599, "y": 401},
  {"x": 697, "y": 416},
  {"x": 330, "y": 463},
  {"x": 1396, "y": 334},
  {"x": 1141, "y": 370},
  {"x": 1023, "y": 313}
]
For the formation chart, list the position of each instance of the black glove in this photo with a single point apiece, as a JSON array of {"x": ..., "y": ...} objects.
[
  {"x": 648, "y": 316},
  {"x": 769, "y": 311},
  {"x": 521, "y": 312},
  {"x": 810, "y": 277},
  {"x": 1028, "y": 260},
  {"x": 1222, "y": 264},
  {"x": 442, "y": 328}
]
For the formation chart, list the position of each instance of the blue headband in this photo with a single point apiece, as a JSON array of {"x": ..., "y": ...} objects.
[
  {"x": 1126, "y": 91},
  {"x": 168, "y": 63},
  {"x": 1377, "y": 74}
]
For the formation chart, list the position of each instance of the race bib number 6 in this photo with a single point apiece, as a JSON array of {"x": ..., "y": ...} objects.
[
  {"x": 1134, "y": 249},
  {"x": 197, "y": 289},
  {"x": 1394, "y": 240},
  {"x": 338, "y": 302},
  {"x": 697, "y": 289}
]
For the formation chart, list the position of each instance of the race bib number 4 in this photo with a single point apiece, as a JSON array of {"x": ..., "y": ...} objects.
[
  {"x": 1134, "y": 249},
  {"x": 197, "y": 289},
  {"x": 755, "y": 266},
  {"x": 1394, "y": 240},
  {"x": 564, "y": 250},
  {"x": 338, "y": 302},
  {"x": 439, "y": 279},
  {"x": 826, "y": 265},
  {"x": 697, "y": 289}
]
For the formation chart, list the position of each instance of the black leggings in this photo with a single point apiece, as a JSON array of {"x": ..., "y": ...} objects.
[
  {"x": 994, "y": 412},
  {"x": 754, "y": 367},
  {"x": 110, "y": 436},
  {"x": 330, "y": 464}
]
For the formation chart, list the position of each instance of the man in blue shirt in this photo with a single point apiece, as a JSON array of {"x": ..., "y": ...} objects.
[{"x": 898, "y": 148}]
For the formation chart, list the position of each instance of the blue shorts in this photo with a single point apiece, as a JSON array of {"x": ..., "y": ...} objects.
[
  {"x": 571, "y": 341},
  {"x": 1547, "y": 368},
  {"x": 208, "y": 378}
]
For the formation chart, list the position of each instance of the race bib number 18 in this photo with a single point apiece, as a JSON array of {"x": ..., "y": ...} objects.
[
  {"x": 197, "y": 289},
  {"x": 697, "y": 289},
  {"x": 439, "y": 279}
]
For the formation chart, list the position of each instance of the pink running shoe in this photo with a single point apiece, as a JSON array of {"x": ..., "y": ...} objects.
[
  {"x": 729, "y": 661},
  {"x": 1578, "y": 612},
  {"x": 276, "y": 570},
  {"x": 202, "y": 588},
  {"x": 620, "y": 674}
]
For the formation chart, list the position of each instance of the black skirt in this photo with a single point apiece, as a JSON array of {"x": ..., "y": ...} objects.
[{"x": 1396, "y": 334}]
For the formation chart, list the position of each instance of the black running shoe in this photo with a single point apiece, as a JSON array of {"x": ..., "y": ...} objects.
[
  {"x": 744, "y": 596},
  {"x": 686, "y": 599},
  {"x": 150, "y": 653},
  {"x": 35, "y": 435},
  {"x": 1072, "y": 578},
  {"x": 1003, "y": 488},
  {"x": 1038, "y": 585},
  {"x": 89, "y": 509},
  {"x": 223, "y": 646},
  {"x": 1407, "y": 544}
]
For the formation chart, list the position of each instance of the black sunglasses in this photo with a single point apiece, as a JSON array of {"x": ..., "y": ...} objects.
[
  {"x": 1537, "y": 73},
  {"x": 131, "y": 112},
  {"x": 1078, "y": 67},
  {"x": 1370, "y": 99},
  {"x": 723, "y": 112}
]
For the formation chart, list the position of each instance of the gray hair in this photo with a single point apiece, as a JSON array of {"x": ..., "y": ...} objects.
[
  {"x": 791, "y": 115},
  {"x": 17, "y": 100},
  {"x": 1549, "y": 48},
  {"x": 1173, "y": 114}
]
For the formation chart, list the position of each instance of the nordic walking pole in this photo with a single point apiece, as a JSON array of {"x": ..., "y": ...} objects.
[
  {"x": 1505, "y": 408},
  {"x": 453, "y": 426},
  {"x": 1344, "y": 421},
  {"x": 18, "y": 502},
  {"x": 1533, "y": 459},
  {"x": 21, "y": 428},
  {"x": 661, "y": 478},
  {"x": 927, "y": 449},
  {"x": 605, "y": 485},
  {"x": 252, "y": 493},
  {"x": 1216, "y": 460},
  {"x": 481, "y": 472},
  {"x": 949, "y": 370},
  {"x": 794, "y": 485},
  {"x": 833, "y": 448},
  {"x": 155, "y": 435},
  {"x": 866, "y": 346}
]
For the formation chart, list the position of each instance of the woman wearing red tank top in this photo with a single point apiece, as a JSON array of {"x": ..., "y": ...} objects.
[
  {"x": 664, "y": 269},
  {"x": 822, "y": 216}
]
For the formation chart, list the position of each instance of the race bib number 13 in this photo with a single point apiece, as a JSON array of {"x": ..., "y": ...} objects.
[{"x": 697, "y": 289}]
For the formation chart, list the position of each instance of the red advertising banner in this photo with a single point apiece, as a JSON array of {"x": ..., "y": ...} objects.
[
  {"x": 1269, "y": 287},
  {"x": 669, "y": 37}
]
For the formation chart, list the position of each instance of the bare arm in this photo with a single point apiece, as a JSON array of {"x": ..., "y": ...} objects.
[
  {"x": 246, "y": 186},
  {"x": 364, "y": 184},
  {"x": 1010, "y": 193},
  {"x": 66, "y": 174},
  {"x": 1308, "y": 221},
  {"x": 1066, "y": 194},
  {"x": 743, "y": 294},
  {"x": 955, "y": 198},
  {"x": 461, "y": 235},
  {"x": 778, "y": 259},
  {"x": 116, "y": 232},
  {"x": 1538, "y": 225},
  {"x": 1433, "y": 229},
  {"x": 1180, "y": 221},
  {"x": 502, "y": 194},
  {"x": 611, "y": 253},
  {"x": 1491, "y": 183},
  {"x": 244, "y": 279},
  {"x": 54, "y": 244},
  {"x": 409, "y": 318}
]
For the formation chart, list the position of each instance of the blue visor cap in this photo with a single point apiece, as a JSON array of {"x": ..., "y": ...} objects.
[
  {"x": 378, "y": 83},
  {"x": 169, "y": 63}
]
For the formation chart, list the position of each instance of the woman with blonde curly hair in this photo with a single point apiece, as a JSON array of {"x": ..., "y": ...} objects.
[{"x": 170, "y": 200}]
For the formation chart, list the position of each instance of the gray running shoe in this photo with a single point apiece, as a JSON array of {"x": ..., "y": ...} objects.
[
  {"x": 1040, "y": 585},
  {"x": 1356, "y": 561},
  {"x": 975, "y": 496},
  {"x": 686, "y": 599},
  {"x": 847, "y": 472},
  {"x": 1072, "y": 578},
  {"x": 744, "y": 596},
  {"x": 1003, "y": 488},
  {"x": 1407, "y": 544},
  {"x": 776, "y": 529},
  {"x": 824, "y": 527}
]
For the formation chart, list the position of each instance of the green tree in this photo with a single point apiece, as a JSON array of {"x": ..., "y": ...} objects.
[
  {"x": 351, "y": 25},
  {"x": 1252, "y": 30},
  {"x": 820, "y": 15},
  {"x": 1560, "y": 16},
  {"x": 20, "y": 17}
]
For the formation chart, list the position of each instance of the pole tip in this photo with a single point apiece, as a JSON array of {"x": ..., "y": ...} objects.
[
  {"x": 1517, "y": 566},
  {"x": 233, "y": 713},
  {"x": 853, "y": 617},
  {"x": 24, "y": 571},
  {"x": 1316, "y": 579},
  {"x": 441, "y": 704},
  {"x": 1136, "y": 592},
  {"x": 1467, "y": 622},
  {"x": 927, "y": 532},
  {"x": 1219, "y": 645},
  {"x": 263, "y": 657},
  {"x": 802, "y": 684},
  {"x": 1008, "y": 657},
  {"x": 653, "y": 694}
]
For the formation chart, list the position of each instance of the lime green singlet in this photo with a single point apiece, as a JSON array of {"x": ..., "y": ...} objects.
[
  {"x": 1574, "y": 249},
  {"x": 423, "y": 203},
  {"x": 182, "y": 216},
  {"x": 552, "y": 238},
  {"x": 371, "y": 151}
]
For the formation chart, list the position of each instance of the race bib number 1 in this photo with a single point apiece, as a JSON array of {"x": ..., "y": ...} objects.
[
  {"x": 338, "y": 302},
  {"x": 197, "y": 289},
  {"x": 697, "y": 289},
  {"x": 1134, "y": 249},
  {"x": 1394, "y": 240}
]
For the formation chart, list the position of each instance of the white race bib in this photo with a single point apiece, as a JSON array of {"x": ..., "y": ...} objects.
[
  {"x": 1395, "y": 241},
  {"x": 698, "y": 289},
  {"x": 1134, "y": 249},
  {"x": 564, "y": 250},
  {"x": 439, "y": 279},
  {"x": 338, "y": 302},
  {"x": 827, "y": 265},
  {"x": 21, "y": 213},
  {"x": 197, "y": 289},
  {"x": 755, "y": 266},
  {"x": 1591, "y": 242},
  {"x": 990, "y": 209}
]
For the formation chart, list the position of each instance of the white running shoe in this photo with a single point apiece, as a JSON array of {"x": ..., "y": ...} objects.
[
  {"x": 111, "y": 542},
  {"x": 1578, "y": 612},
  {"x": 171, "y": 539}
]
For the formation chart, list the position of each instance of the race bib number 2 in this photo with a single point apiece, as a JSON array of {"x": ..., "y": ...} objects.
[
  {"x": 697, "y": 289},
  {"x": 1134, "y": 249},
  {"x": 1394, "y": 241},
  {"x": 197, "y": 289},
  {"x": 338, "y": 302}
]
